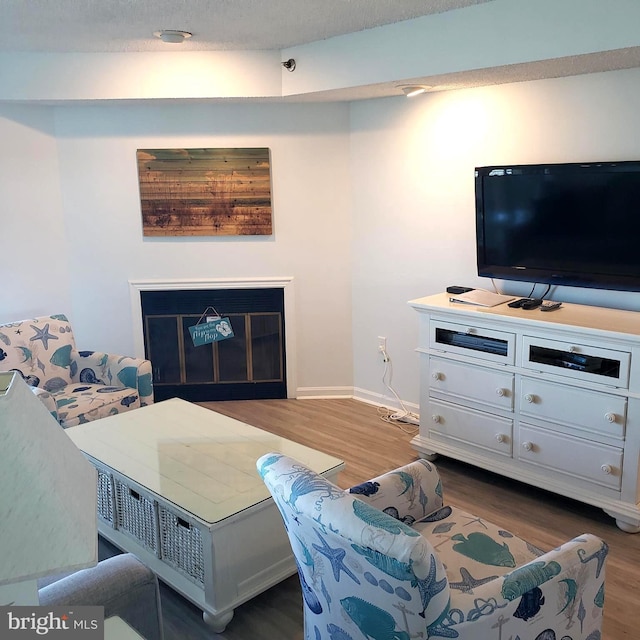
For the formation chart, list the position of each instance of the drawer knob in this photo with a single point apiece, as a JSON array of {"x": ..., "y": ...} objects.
[
  {"x": 527, "y": 446},
  {"x": 436, "y": 418},
  {"x": 530, "y": 398},
  {"x": 470, "y": 330},
  {"x": 500, "y": 437},
  {"x": 606, "y": 468},
  {"x": 500, "y": 392},
  {"x": 436, "y": 375},
  {"x": 610, "y": 417}
]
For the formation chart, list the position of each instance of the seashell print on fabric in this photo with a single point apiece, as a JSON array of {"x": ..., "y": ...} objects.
[
  {"x": 88, "y": 376},
  {"x": 439, "y": 514}
]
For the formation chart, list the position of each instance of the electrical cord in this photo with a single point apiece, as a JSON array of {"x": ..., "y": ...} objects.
[
  {"x": 399, "y": 418},
  {"x": 543, "y": 295},
  {"x": 535, "y": 284}
]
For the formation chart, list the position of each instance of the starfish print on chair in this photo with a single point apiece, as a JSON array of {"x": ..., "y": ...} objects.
[
  {"x": 468, "y": 582},
  {"x": 43, "y": 334},
  {"x": 336, "y": 557}
]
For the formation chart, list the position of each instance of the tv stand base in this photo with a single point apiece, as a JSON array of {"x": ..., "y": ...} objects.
[{"x": 549, "y": 399}]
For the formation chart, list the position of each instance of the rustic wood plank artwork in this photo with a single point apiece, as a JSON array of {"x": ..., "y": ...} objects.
[{"x": 205, "y": 192}]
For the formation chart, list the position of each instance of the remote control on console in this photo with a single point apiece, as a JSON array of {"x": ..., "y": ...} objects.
[{"x": 549, "y": 305}]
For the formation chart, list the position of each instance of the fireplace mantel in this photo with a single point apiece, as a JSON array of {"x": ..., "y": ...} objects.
[{"x": 136, "y": 287}]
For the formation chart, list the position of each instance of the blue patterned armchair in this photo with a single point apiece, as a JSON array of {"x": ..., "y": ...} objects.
[
  {"x": 75, "y": 386},
  {"x": 386, "y": 560}
]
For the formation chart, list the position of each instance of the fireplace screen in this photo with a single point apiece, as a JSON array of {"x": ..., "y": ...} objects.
[{"x": 249, "y": 365}]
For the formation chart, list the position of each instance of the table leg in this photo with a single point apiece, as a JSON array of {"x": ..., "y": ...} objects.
[{"x": 218, "y": 623}]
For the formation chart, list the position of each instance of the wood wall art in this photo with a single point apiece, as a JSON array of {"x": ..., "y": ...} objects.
[{"x": 205, "y": 192}]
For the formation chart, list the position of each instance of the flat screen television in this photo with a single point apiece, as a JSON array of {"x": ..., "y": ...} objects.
[{"x": 560, "y": 224}]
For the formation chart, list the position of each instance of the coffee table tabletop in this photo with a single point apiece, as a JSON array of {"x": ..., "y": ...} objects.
[
  {"x": 179, "y": 488},
  {"x": 192, "y": 456}
]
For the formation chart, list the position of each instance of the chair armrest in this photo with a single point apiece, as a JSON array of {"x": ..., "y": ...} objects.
[
  {"x": 48, "y": 400},
  {"x": 122, "y": 584},
  {"x": 114, "y": 370},
  {"x": 408, "y": 493},
  {"x": 567, "y": 583}
]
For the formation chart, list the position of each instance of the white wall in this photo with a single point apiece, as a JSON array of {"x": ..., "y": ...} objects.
[
  {"x": 312, "y": 228},
  {"x": 373, "y": 206},
  {"x": 412, "y": 168},
  {"x": 33, "y": 248}
]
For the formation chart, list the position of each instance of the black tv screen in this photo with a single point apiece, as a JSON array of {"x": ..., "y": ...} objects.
[{"x": 560, "y": 224}]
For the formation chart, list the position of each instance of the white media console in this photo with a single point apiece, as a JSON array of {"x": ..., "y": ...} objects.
[{"x": 551, "y": 399}]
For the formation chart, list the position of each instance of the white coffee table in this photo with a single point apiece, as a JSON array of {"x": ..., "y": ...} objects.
[{"x": 178, "y": 487}]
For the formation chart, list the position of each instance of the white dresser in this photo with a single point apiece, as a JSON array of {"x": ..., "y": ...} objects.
[{"x": 548, "y": 398}]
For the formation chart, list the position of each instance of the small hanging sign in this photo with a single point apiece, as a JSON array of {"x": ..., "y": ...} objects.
[{"x": 213, "y": 329}]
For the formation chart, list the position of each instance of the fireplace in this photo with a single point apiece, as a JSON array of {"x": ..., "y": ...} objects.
[{"x": 253, "y": 364}]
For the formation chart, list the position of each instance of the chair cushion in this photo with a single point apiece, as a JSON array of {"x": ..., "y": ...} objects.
[
  {"x": 473, "y": 552},
  {"x": 79, "y": 402}
]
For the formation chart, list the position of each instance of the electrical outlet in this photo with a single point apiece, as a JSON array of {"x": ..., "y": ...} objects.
[{"x": 382, "y": 343}]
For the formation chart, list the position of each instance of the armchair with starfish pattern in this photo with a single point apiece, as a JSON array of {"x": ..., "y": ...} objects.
[
  {"x": 75, "y": 386},
  {"x": 388, "y": 560}
]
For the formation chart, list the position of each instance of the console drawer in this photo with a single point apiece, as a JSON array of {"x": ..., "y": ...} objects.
[
  {"x": 582, "y": 362},
  {"x": 576, "y": 457},
  {"x": 461, "y": 426},
  {"x": 468, "y": 382},
  {"x": 574, "y": 407},
  {"x": 472, "y": 341}
]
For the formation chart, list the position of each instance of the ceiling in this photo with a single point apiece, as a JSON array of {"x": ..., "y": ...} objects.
[
  {"x": 128, "y": 25},
  {"x": 105, "y": 26}
]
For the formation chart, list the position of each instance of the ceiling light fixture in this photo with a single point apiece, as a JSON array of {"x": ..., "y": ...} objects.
[
  {"x": 411, "y": 90},
  {"x": 172, "y": 35}
]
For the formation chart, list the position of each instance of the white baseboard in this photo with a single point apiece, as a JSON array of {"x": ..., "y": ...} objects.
[
  {"x": 362, "y": 395},
  {"x": 318, "y": 393}
]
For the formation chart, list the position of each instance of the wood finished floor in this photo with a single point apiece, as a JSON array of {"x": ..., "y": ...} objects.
[{"x": 354, "y": 432}]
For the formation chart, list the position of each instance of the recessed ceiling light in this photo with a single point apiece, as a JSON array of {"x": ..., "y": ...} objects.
[
  {"x": 411, "y": 90},
  {"x": 172, "y": 35}
]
